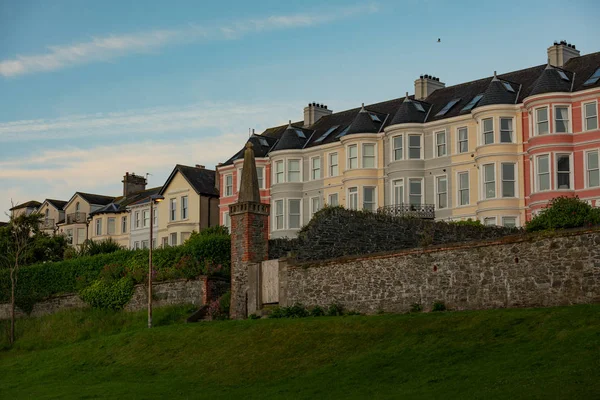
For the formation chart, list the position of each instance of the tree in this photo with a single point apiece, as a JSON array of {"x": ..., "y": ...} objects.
[{"x": 18, "y": 239}]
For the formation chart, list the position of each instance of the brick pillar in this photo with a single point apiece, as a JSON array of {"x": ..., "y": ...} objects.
[{"x": 249, "y": 234}]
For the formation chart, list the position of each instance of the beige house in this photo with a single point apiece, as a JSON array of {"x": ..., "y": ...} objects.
[
  {"x": 26, "y": 208},
  {"x": 77, "y": 211},
  {"x": 191, "y": 203},
  {"x": 52, "y": 213}
]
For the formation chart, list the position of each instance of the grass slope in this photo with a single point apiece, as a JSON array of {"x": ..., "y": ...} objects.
[{"x": 497, "y": 354}]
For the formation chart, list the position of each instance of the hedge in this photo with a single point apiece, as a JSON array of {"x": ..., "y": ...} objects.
[{"x": 202, "y": 254}]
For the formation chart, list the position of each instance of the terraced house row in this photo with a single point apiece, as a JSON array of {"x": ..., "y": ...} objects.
[
  {"x": 495, "y": 149},
  {"x": 190, "y": 203}
]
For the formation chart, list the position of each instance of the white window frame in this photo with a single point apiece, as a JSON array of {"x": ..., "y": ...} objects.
[
  {"x": 114, "y": 226},
  {"x": 279, "y": 176},
  {"x": 288, "y": 214},
  {"x": 145, "y": 216},
  {"x": 260, "y": 170},
  {"x": 587, "y": 170},
  {"x": 137, "y": 221},
  {"x": 460, "y": 190},
  {"x": 585, "y": 118},
  {"x": 483, "y": 131},
  {"x": 514, "y": 181},
  {"x": 136, "y": 245},
  {"x": 536, "y": 175},
  {"x": 184, "y": 207},
  {"x": 408, "y": 147},
  {"x": 374, "y": 188},
  {"x": 337, "y": 199},
  {"x": 171, "y": 241},
  {"x": 571, "y": 170},
  {"x": 124, "y": 224},
  {"x": 226, "y": 220},
  {"x": 276, "y": 216},
  {"x": 228, "y": 186},
  {"x": 483, "y": 186},
  {"x": 458, "y": 141},
  {"x": 422, "y": 194},
  {"x": 173, "y": 209},
  {"x": 569, "y": 121},
  {"x": 98, "y": 229},
  {"x": 239, "y": 179},
  {"x": 398, "y": 183},
  {"x": 436, "y": 150},
  {"x": 394, "y": 148},
  {"x": 314, "y": 209},
  {"x": 330, "y": 165},
  {"x": 537, "y": 121},
  {"x": 437, "y": 192},
  {"x": 495, "y": 219},
  {"x": 354, "y": 193},
  {"x": 512, "y": 129},
  {"x": 299, "y": 171},
  {"x": 374, "y": 156},
  {"x": 313, "y": 176},
  {"x": 510, "y": 216},
  {"x": 349, "y": 159}
]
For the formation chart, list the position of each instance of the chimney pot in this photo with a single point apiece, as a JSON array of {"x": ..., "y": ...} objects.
[
  {"x": 560, "y": 53},
  {"x": 199, "y": 166},
  {"x": 421, "y": 77},
  {"x": 314, "y": 112}
]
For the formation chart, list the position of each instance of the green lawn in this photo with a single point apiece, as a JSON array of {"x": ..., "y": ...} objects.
[{"x": 551, "y": 353}]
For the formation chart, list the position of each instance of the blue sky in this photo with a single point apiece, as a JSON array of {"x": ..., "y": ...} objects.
[{"x": 90, "y": 90}]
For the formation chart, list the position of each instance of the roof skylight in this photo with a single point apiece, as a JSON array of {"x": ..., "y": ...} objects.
[
  {"x": 342, "y": 133},
  {"x": 562, "y": 74},
  {"x": 300, "y": 134},
  {"x": 447, "y": 107},
  {"x": 374, "y": 118},
  {"x": 263, "y": 142},
  {"x": 593, "y": 79},
  {"x": 508, "y": 87},
  {"x": 473, "y": 102},
  {"x": 329, "y": 131},
  {"x": 419, "y": 106}
]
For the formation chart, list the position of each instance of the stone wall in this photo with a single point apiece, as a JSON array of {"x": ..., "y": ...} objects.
[
  {"x": 511, "y": 272},
  {"x": 336, "y": 232},
  {"x": 164, "y": 293}
]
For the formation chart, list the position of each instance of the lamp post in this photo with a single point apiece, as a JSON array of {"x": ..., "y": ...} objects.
[{"x": 155, "y": 198}]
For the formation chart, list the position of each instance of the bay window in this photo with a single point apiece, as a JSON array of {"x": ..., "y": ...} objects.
[
  {"x": 353, "y": 198},
  {"x": 508, "y": 179},
  {"x": 442, "y": 192},
  {"x": 397, "y": 147},
  {"x": 593, "y": 171},
  {"x": 563, "y": 171},
  {"x": 541, "y": 121},
  {"x": 369, "y": 199},
  {"x": 294, "y": 214},
  {"x": 414, "y": 147},
  {"x": 591, "y": 116},
  {"x": 293, "y": 171},
  {"x": 368, "y": 156},
  {"x": 463, "y": 188},
  {"x": 506, "y": 130},
  {"x": 415, "y": 191},
  {"x": 352, "y": 157},
  {"x": 398, "y": 190},
  {"x": 333, "y": 164},
  {"x": 489, "y": 181},
  {"x": 488, "y": 131},
  {"x": 561, "y": 119}
]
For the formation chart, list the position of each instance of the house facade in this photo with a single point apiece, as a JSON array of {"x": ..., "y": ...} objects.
[
  {"x": 52, "y": 214},
  {"x": 458, "y": 152},
  {"x": 191, "y": 203},
  {"x": 77, "y": 216},
  {"x": 26, "y": 208},
  {"x": 139, "y": 214}
]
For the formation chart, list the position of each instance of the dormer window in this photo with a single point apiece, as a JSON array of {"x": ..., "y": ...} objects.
[
  {"x": 562, "y": 74},
  {"x": 472, "y": 103},
  {"x": 447, "y": 107},
  {"x": 263, "y": 142},
  {"x": 329, "y": 131},
  {"x": 508, "y": 87},
  {"x": 300, "y": 134},
  {"x": 593, "y": 79},
  {"x": 419, "y": 107},
  {"x": 375, "y": 118}
]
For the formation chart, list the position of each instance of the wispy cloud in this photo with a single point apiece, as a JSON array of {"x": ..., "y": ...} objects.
[
  {"x": 221, "y": 116},
  {"x": 114, "y": 46}
]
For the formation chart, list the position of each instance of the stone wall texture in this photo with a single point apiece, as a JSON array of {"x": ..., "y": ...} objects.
[
  {"x": 164, "y": 294},
  {"x": 512, "y": 272},
  {"x": 337, "y": 232}
]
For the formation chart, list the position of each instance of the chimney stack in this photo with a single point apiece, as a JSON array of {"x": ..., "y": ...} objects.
[
  {"x": 425, "y": 85},
  {"x": 200, "y": 166},
  {"x": 561, "y": 52},
  {"x": 133, "y": 183},
  {"x": 313, "y": 112}
]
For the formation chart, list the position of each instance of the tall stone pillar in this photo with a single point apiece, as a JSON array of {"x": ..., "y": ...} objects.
[{"x": 249, "y": 234}]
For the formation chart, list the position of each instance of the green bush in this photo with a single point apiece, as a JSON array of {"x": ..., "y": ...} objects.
[
  {"x": 91, "y": 248},
  {"x": 439, "y": 306},
  {"x": 335, "y": 310},
  {"x": 468, "y": 222},
  {"x": 295, "y": 311},
  {"x": 564, "y": 212},
  {"x": 416, "y": 307},
  {"x": 108, "y": 295},
  {"x": 317, "y": 311}
]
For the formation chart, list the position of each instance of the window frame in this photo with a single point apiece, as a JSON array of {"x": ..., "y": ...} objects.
[
  {"x": 349, "y": 159},
  {"x": 460, "y": 189},
  {"x": 289, "y": 170},
  {"x": 171, "y": 241},
  {"x": 98, "y": 227},
  {"x": 436, "y": 149},
  {"x": 569, "y": 119},
  {"x": 422, "y": 194},
  {"x": 172, "y": 209},
  {"x": 484, "y": 132},
  {"x": 537, "y": 121},
  {"x": 516, "y": 218},
  {"x": 137, "y": 221},
  {"x": 571, "y": 171},
  {"x": 393, "y": 192},
  {"x": 124, "y": 224},
  {"x": 585, "y": 118},
  {"x": 228, "y": 187},
  {"x": 409, "y": 147},
  {"x": 277, "y": 174},
  {"x": 313, "y": 177},
  {"x": 374, "y": 156},
  {"x": 276, "y": 215},
  {"x": 226, "y": 220},
  {"x": 437, "y": 192},
  {"x": 114, "y": 226},
  {"x": 352, "y": 191},
  {"x": 483, "y": 180},
  {"x": 312, "y": 205},
  {"x": 260, "y": 170},
  {"x": 458, "y": 141},
  {"x": 537, "y": 173},
  {"x": 184, "y": 208},
  {"x": 289, "y": 214},
  {"x": 587, "y": 169},
  {"x": 374, "y": 202},
  {"x": 337, "y": 199},
  {"x": 495, "y": 219},
  {"x": 512, "y": 129},
  {"x": 330, "y": 164},
  {"x": 514, "y": 181},
  {"x": 145, "y": 216},
  {"x": 394, "y": 148}
]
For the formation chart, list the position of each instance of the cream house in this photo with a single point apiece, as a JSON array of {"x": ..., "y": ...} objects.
[
  {"x": 26, "y": 208},
  {"x": 191, "y": 203},
  {"x": 77, "y": 211},
  {"x": 52, "y": 214}
]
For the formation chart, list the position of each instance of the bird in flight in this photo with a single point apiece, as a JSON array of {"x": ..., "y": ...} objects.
[{"x": 439, "y": 40}]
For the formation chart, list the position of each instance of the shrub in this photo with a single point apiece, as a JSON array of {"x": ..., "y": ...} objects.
[
  {"x": 295, "y": 311},
  {"x": 253, "y": 316},
  {"x": 335, "y": 310},
  {"x": 564, "y": 212},
  {"x": 416, "y": 307},
  {"x": 438, "y": 306},
  {"x": 91, "y": 248},
  {"x": 468, "y": 222},
  {"x": 317, "y": 311},
  {"x": 108, "y": 295}
]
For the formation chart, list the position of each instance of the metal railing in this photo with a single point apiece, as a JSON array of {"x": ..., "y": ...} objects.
[
  {"x": 76, "y": 218},
  {"x": 47, "y": 224},
  {"x": 424, "y": 211}
]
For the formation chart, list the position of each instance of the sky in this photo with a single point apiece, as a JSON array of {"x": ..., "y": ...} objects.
[{"x": 90, "y": 90}]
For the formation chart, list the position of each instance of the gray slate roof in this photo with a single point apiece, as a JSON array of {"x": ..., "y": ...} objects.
[{"x": 201, "y": 179}]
